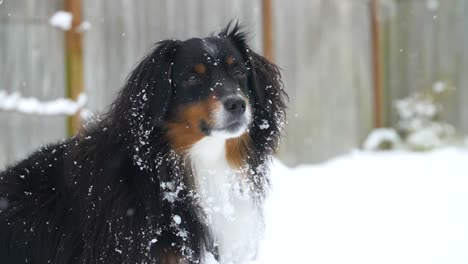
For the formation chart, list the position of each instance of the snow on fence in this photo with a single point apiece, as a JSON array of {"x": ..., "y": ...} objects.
[{"x": 30, "y": 105}]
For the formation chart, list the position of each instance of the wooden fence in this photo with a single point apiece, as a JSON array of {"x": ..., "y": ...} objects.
[
  {"x": 426, "y": 42},
  {"x": 32, "y": 62},
  {"x": 323, "y": 47}
]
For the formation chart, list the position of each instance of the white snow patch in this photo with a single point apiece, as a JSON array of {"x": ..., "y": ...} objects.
[
  {"x": 432, "y": 5},
  {"x": 410, "y": 108},
  {"x": 368, "y": 207},
  {"x": 424, "y": 139},
  {"x": 419, "y": 119},
  {"x": 62, "y": 20},
  {"x": 84, "y": 26},
  {"x": 86, "y": 115},
  {"x": 177, "y": 219},
  {"x": 380, "y": 136},
  {"x": 264, "y": 125},
  {"x": 29, "y": 105},
  {"x": 439, "y": 87}
]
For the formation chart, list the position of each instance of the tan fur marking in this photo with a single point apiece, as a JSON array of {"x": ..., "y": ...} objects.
[
  {"x": 185, "y": 130},
  {"x": 229, "y": 60},
  {"x": 172, "y": 258},
  {"x": 236, "y": 150},
  {"x": 200, "y": 68}
]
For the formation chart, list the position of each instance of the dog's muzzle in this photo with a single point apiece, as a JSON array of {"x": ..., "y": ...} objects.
[{"x": 233, "y": 117}]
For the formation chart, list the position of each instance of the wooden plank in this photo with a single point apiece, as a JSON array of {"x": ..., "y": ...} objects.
[
  {"x": 376, "y": 62},
  {"x": 423, "y": 45},
  {"x": 326, "y": 67},
  {"x": 267, "y": 22},
  {"x": 32, "y": 63},
  {"x": 74, "y": 60}
]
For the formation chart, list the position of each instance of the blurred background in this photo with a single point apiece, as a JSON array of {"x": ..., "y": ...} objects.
[{"x": 349, "y": 66}]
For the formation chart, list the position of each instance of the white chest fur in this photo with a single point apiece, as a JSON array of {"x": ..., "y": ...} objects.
[{"x": 234, "y": 217}]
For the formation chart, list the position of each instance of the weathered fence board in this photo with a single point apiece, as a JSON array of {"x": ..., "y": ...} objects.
[
  {"x": 324, "y": 48},
  {"x": 426, "y": 42},
  {"x": 32, "y": 62}
]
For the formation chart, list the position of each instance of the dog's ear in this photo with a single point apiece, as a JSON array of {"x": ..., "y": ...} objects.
[
  {"x": 270, "y": 98},
  {"x": 150, "y": 82},
  {"x": 265, "y": 81}
]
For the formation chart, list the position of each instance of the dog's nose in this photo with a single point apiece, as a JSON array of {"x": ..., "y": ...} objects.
[{"x": 235, "y": 106}]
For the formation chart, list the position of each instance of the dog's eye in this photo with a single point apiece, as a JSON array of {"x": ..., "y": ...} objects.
[
  {"x": 239, "y": 73},
  {"x": 192, "y": 79}
]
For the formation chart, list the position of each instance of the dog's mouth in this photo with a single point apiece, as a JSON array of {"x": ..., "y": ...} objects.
[
  {"x": 232, "y": 129},
  {"x": 225, "y": 125},
  {"x": 234, "y": 126},
  {"x": 228, "y": 126}
]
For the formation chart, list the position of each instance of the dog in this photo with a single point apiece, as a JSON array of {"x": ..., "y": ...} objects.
[{"x": 175, "y": 171}]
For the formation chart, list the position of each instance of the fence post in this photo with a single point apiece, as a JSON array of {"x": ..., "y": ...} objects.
[
  {"x": 267, "y": 27},
  {"x": 74, "y": 60},
  {"x": 376, "y": 63}
]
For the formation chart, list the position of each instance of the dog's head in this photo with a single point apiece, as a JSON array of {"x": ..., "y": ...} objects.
[
  {"x": 210, "y": 90},
  {"x": 208, "y": 87}
]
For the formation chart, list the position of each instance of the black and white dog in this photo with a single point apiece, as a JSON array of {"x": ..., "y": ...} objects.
[{"x": 175, "y": 172}]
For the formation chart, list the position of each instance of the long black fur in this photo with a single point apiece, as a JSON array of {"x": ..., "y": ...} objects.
[{"x": 109, "y": 194}]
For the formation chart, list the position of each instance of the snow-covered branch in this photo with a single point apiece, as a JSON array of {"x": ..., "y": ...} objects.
[{"x": 14, "y": 102}]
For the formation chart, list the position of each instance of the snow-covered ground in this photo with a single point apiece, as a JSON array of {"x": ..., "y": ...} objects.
[{"x": 389, "y": 207}]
